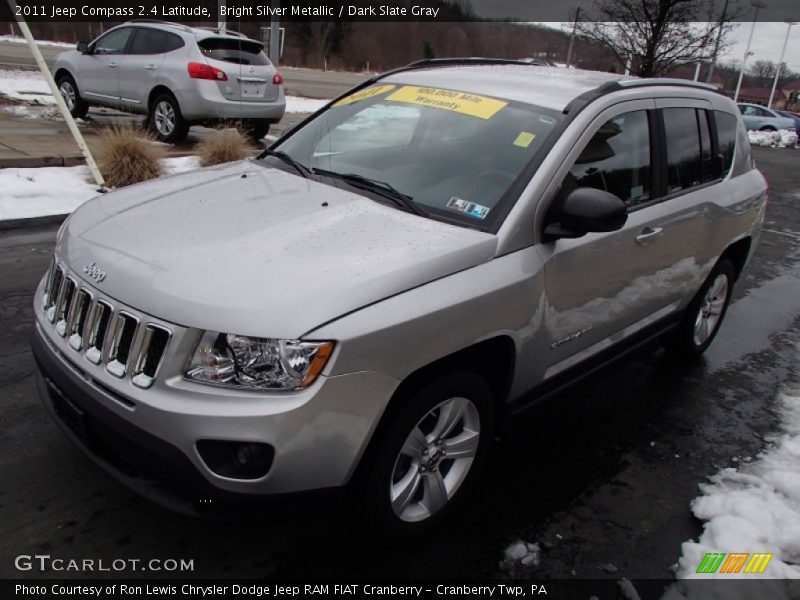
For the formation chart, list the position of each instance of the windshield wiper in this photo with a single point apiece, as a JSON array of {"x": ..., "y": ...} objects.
[
  {"x": 281, "y": 155},
  {"x": 379, "y": 187}
]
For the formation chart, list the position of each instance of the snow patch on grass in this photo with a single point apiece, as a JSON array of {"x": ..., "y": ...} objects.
[
  {"x": 18, "y": 39},
  {"x": 28, "y": 193}
]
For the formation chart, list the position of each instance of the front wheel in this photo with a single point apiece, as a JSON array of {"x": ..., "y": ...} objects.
[
  {"x": 167, "y": 121},
  {"x": 429, "y": 455},
  {"x": 705, "y": 313},
  {"x": 69, "y": 91}
]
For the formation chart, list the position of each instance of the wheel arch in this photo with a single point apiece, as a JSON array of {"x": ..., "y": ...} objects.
[
  {"x": 156, "y": 92},
  {"x": 738, "y": 253},
  {"x": 494, "y": 359}
]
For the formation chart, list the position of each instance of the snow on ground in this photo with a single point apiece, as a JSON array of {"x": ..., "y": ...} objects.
[
  {"x": 18, "y": 39},
  {"x": 30, "y": 87},
  {"x": 754, "y": 508},
  {"x": 27, "y": 193}
]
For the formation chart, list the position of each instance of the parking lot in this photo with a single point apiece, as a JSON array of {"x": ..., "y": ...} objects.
[{"x": 601, "y": 476}]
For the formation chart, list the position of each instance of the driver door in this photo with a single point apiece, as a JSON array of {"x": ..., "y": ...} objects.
[
  {"x": 603, "y": 287},
  {"x": 98, "y": 79}
]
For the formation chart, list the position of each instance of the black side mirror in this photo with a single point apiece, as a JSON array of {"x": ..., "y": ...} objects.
[
  {"x": 82, "y": 47},
  {"x": 588, "y": 210}
]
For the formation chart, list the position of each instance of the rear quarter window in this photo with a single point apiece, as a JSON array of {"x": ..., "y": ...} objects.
[
  {"x": 239, "y": 52},
  {"x": 726, "y": 134}
]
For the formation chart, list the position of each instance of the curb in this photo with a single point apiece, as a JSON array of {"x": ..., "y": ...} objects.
[
  {"x": 32, "y": 222},
  {"x": 29, "y": 162}
]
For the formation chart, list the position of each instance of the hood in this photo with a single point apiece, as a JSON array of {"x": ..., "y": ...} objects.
[{"x": 269, "y": 255}]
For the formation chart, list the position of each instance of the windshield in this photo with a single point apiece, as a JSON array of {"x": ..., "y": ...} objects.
[{"x": 453, "y": 154}]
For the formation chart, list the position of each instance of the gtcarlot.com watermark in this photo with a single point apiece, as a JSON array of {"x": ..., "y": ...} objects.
[{"x": 46, "y": 563}]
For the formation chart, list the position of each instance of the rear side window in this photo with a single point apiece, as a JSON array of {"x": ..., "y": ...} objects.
[
  {"x": 616, "y": 160},
  {"x": 239, "y": 52},
  {"x": 688, "y": 164},
  {"x": 147, "y": 41},
  {"x": 726, "y": 136}
]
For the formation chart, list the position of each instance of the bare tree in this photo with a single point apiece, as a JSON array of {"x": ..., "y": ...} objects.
[
  {"x": 658, "y": 35},
  {"x": 762, "y": 72}
]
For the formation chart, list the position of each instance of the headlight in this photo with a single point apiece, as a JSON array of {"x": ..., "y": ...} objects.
[{"x": 257, "y": 363}]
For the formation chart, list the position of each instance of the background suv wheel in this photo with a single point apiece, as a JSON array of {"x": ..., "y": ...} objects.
[
  {"x": 69, "y": 91},
  {"x": 166, "y": 120}
]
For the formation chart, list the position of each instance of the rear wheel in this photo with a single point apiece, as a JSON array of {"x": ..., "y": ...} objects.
[
  {"x": 166, "y": 120},
  {"x": 704, "y": 315},
  {"x": 767, "y": 128},
  {"x": 256, "y": 129},
  {"x": 72, "y": 98},
  {"x": 429, "y": 455}
]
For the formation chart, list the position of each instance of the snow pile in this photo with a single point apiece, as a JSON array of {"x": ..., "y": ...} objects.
[
  {"x": 31, "y": 88},
  {"x": 754, "y": 509},
  {"x": 521, "y": 557},
  {"x": 28, "y": 193},
  {"x": 783, "y": 138}
]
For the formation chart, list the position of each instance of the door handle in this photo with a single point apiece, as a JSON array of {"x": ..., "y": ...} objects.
[
  {"x": 150, "y": 67},
  {"x": 112, "y": 65},
  {"x": 649, "y": 233}
]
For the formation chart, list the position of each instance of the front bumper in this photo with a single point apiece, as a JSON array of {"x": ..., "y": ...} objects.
[{"x": 147, "y": 439}]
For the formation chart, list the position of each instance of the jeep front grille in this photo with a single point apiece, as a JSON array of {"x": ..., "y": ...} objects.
[{"x": 105, "y": 334}]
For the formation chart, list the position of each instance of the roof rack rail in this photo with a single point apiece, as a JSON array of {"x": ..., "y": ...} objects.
[
  {"x": 631, "y": 83},
  {"x": 180, "y": 26},
  {"x": 231, "y": 32}
]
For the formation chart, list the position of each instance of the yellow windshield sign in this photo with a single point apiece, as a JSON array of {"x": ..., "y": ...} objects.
[
  {"x": 460, "y": 102},
  {"x": 365, "y": 94}
]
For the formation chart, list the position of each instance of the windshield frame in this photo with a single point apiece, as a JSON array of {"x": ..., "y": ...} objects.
[{"x": 504, "y": 204}]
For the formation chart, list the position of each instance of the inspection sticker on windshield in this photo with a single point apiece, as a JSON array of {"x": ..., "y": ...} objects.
[
  {"x": 460, "y": 102},
  {"x": 524, "y": 139},
  {"x": 365, "y": 94},
  {"x": 468, "y": 208}
]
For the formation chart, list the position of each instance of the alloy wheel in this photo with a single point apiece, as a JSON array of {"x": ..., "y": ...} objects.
[
  {"x": 164, "y": 117},
  {"x": 435, "y": 459},
  {"x": 710, "y": 313}
]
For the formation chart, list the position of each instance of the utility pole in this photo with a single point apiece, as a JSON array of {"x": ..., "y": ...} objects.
[
  {"x": 572, "y": 37},
  {"x": 780, "y": 63},
  {"x": 222, "y": 20},
  {"x": 718, "y": 41},
  {"x": 758, "y": 6},
  {"x": 62, "y": 106},
  {"x": 275, "y": 35}
]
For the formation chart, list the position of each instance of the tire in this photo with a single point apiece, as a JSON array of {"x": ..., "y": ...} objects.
[
  {"x": 69, "y": 91},
  {"x": 410, "y": 484},
  {"x": 166, "y": 120},
  {"x": 257, "y": 129},
  {"x": 705, "y": 313}
]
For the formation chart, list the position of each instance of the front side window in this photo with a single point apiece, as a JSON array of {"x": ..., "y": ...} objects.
[
  {"x": 113, "y": 42},
  {"x": 455, "y": 154},
  {"x": 616, "y": 160}
]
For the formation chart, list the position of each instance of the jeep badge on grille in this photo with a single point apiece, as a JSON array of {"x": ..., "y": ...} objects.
[{"x": 92, "y": 271}]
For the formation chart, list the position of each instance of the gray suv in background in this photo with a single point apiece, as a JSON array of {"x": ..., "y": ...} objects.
[
  {"x": 177, "y": 75},
  {"x": 364, "y": 303}
]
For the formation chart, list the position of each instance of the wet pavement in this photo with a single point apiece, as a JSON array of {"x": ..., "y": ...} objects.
[{"x": 601, "y": 476}]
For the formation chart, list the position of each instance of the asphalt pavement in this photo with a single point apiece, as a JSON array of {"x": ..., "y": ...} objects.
[{"x": 601, "y": 476}]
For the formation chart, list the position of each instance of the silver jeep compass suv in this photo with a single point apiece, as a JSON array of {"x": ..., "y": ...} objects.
[
  {"x": 364, "y": 302},
  {"x": 177, "y": 75}
]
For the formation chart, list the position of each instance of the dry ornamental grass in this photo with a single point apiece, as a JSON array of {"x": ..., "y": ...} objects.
[
  {"x": 224, "y": 146},
  {"x": 128, "y": 155}
]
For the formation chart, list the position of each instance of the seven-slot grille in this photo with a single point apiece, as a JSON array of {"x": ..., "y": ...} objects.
[{"x": 101, "y": 332}]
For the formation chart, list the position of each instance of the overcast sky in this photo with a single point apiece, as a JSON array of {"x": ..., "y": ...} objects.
[{"x": 767, "y": 42}]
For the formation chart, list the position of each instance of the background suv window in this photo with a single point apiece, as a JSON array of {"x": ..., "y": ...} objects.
[
  {"x": 113, "y": 42},
  {"x": 147, "y": 41},
  {"x": 616, "y": 160}
]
